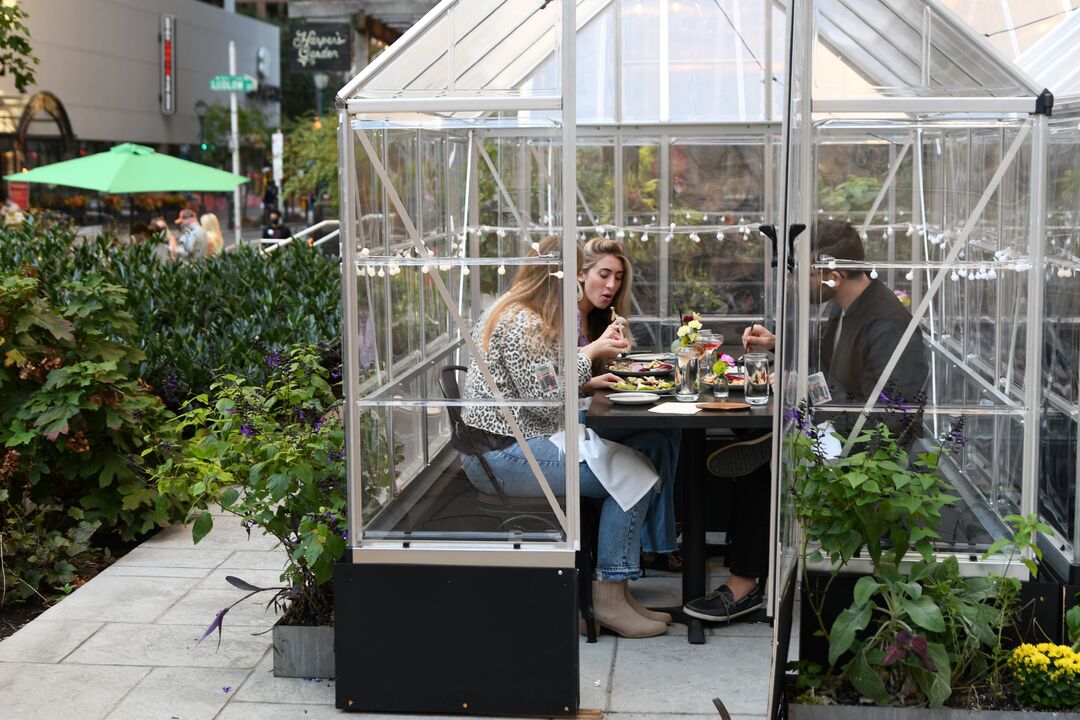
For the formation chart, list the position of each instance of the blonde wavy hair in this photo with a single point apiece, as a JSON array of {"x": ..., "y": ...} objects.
[
  {"x": 536, "y": 289},
  {"x": 214, "y": 239}
]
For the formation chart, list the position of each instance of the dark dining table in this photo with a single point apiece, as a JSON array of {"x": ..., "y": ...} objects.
[{"x": 692, "y": 474}]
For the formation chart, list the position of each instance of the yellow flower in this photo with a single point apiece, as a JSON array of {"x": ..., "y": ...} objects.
[{"x": 684, "y": 330}]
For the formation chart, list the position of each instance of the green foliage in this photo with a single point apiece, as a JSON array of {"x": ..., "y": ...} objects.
[
  {"x": 73, "y": 414},
  {"x": 856, "y": 193},
  {"x": 250, "y": 125},
  {"x": 907, "y": 638},
  {"x": 16, "y": 55},
  {"x": 189, "y": 318},
  {"x": 311, "y": 158},
  {"x": 272, "y": 455}
]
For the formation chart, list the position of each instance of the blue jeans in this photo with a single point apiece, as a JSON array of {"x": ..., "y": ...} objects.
[
  {"x": 662, "y": 448},
  {"x": 619, "y": 547}
]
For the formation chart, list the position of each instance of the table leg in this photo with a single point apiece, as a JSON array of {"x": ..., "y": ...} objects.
[{"x": 691, "y": 463}]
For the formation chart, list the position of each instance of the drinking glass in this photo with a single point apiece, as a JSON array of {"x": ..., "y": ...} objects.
[
  {"x": 756, "y": 369},
  {"x": 686, "y": 374}
]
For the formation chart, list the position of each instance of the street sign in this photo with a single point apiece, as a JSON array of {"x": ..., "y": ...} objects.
[{"x": 233, "y": 83}]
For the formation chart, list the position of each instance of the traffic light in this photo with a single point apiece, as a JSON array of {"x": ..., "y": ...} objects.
[{"x": 204, "y": 147}]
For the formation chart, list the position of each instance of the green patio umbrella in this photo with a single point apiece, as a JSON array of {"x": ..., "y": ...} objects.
[{"x": 131, "y": 168}]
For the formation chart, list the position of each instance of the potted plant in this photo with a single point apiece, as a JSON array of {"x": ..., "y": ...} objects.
[
  {"x": 915, "y": 634},
  {"x": 273, "y": 455}
]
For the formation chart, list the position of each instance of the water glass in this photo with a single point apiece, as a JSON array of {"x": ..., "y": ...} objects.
[
  {"x": 756, "y": 370},
  {"x": 686, "y": 374}
]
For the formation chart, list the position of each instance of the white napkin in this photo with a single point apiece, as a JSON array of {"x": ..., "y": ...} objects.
[
  {"x": 829, "y": 446},
  {"x": 675, "y": 408},
  {"x": 624, "y": 472}
]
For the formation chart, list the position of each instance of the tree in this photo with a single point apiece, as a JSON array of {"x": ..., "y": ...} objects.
[
  {"x": 16, "y": 55},
  {"x": 254, "y": 135},
  {"x": 311, "y": 159}
]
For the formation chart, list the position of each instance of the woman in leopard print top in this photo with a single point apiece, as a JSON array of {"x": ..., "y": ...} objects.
[{"x": 519, "y": 341}]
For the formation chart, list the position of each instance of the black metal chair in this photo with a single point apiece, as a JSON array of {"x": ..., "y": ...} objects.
[
  {"x": 511, "y": 511},
  {"x": 464, "y": 439}
]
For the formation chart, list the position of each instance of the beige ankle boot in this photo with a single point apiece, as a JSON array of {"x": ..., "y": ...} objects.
[
  {"x": 613, "y": 612},
  {"x": 644, "y": 611}
]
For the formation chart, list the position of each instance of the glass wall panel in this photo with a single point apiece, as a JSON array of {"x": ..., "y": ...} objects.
[
  {"x": 1059, "y": 451},
  {"x": 449, "y": 213},
  {"x": 934, "y": 213}
]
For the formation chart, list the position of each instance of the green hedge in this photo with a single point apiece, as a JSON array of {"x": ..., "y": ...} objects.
[{"x": 228, "y": 312}]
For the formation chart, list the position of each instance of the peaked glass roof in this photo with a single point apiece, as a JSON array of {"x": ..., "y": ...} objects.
[{"x": 717, "y": 60}]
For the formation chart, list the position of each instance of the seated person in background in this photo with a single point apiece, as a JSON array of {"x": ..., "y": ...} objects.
[
  {"x": 275, "y": 230},
  {"x": 864, "y": 325},
  {"x": 518, "y": 338},
  {"x": 192, "y": 244},
  {"x": 163, "y": 239},
  {"x": 605, "y": 283}
]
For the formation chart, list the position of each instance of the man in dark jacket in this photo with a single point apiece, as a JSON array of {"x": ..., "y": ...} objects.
[{"x": 864, "y": 325}]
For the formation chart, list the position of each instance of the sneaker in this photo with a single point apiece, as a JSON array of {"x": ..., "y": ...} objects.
[{"x": 720, "y": 605}]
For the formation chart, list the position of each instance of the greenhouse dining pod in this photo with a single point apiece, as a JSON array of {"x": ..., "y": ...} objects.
[
  {"x": 670, "y": 125},
  {"x": 967, "y": 168}
]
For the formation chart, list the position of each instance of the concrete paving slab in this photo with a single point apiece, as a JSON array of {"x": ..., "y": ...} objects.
[
  {"x": 118, "y": 598},
  {"x": 255, "y": 560},
  {"x": 227, "y": 531},
  {"x": 262, "y": 686},
  {"x": 169, "y": 557},
  {"x": 155, "y": 571},
  {"x": 678, "y": 716},
  {"x": 595, "y": 661},
  {"x": 32, "y": 691},
  {"x": 668, "y": 675},
  {"x": 259, "y": 578},
  {"x": 187, "y": 693},
  {"x": 236, "y": 710},
  {"x": 46, "y": 642},
  {"x": 202, "y": 604},
  {"x": 169, "y": 646}
]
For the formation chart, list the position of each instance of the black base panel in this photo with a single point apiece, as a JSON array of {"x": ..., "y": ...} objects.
[{"x": 455, "y": 639}]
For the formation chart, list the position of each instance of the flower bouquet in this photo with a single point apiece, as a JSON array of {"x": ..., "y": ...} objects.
[{"x": 687, "y": 334}]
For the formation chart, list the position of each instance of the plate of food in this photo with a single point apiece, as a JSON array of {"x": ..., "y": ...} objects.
[
  {"x": 648, "y": 357},
  {"x": 633, "y": 398},
  {"x": 640, "y": 368},
  {"x": 648, "y": 384}
]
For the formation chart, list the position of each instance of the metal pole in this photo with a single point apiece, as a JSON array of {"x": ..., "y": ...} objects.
[{"x": 234, "y": 143}]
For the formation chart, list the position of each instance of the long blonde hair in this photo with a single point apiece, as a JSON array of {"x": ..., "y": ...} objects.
[
  {"x": 595, "y": 249},
  {"x": 214, "y": 239},
  {"x": 535, "y": 288}
]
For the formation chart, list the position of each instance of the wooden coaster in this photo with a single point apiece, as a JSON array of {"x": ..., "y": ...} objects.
[{"x": 723, "y": 406}]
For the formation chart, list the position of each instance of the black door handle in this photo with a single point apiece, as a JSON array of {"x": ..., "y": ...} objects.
[
  {"x": 794, "y": 231},
  {"x": 769, "y": 231}
]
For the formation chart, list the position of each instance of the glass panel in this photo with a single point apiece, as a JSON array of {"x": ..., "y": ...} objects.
[
  {"x": 423, "y": 422},
  {"x": 880, "y": 244},
  {"x": 718, "y": 259},
  {"x": 1059, "y": 452},
  {"x": 641, "y": 197}
]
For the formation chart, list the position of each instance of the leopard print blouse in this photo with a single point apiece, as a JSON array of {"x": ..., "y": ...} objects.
[{"x": 518, "y": 370}]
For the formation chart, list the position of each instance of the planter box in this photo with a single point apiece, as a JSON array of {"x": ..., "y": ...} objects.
[
  {"x": 303, "y": 651},
  {"x": 864, "y": 712}
]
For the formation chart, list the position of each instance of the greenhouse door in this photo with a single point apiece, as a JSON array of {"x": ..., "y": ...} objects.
[{"x": 792, "y": 320}]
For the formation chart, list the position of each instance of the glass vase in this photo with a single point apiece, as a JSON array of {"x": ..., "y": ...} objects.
[{"x": 686, "y": 374}]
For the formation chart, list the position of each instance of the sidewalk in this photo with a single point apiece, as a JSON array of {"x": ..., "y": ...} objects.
[{"x": 122, "y": 647}]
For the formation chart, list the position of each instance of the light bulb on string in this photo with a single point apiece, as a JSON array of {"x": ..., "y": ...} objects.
[
  {"x": 634, "y": 220},
  {"x": 644, "y": 237},
  {"x": 465, "y": 270},
  {"x": 502, "y": 270},
  {"x": 371, "y": 271},
  {"x": 694, "y": 236},
  {"x": 873, "y": 274},
  {"x": 909, "y": 275},
  {"x": 620, "y": 234},
  {"x": 559, "y": 274},
  {"x": 829, "y": 283},
  {"x": 719, "y": 236},
  {"x": 954, "y": 276},
  {"x": 382, "y": 273},
  {"x": 424, "y": 269},
  {"x": 536, "y": 246},
  {"x": 864, "y": 235}
]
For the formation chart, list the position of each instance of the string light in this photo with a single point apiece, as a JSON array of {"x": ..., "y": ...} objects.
[
  {"x": 873, "y": 274},
  {"x": 502, "y": 270}
]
